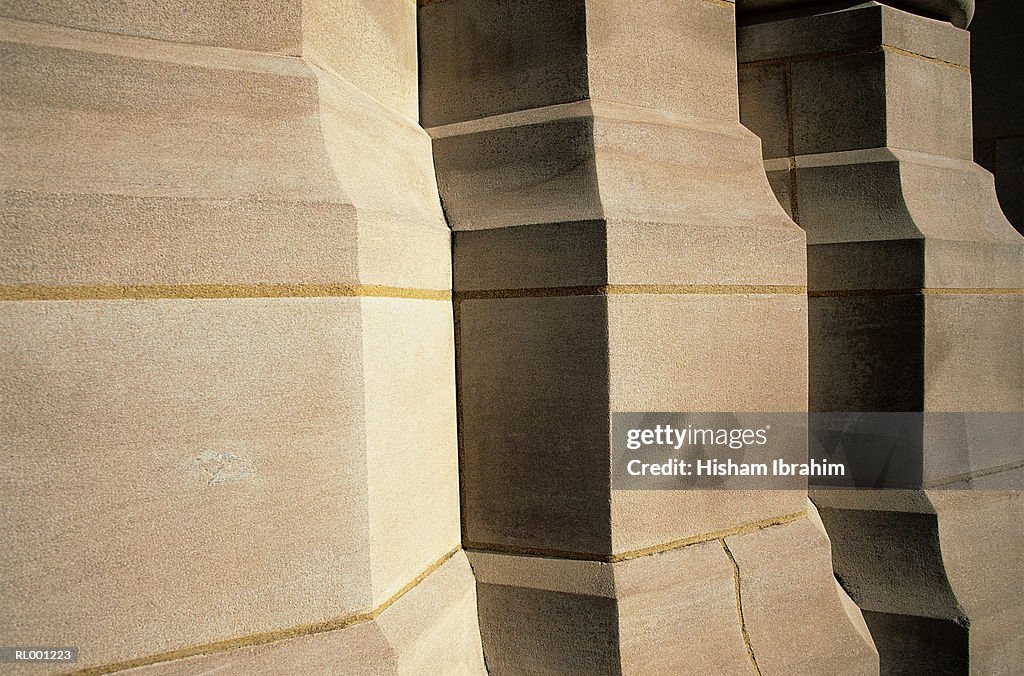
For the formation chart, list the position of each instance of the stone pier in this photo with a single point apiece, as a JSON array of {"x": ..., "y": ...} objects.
[
  {"x": 914, "y": 278},
  {"x": 229, "y": 396},
  {"x": 617, "y": 247}
]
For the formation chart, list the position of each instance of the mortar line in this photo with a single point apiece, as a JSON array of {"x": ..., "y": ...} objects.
[
  {"x": 629, "y": 555},
  {"x": 34, "y": 292},
  {"x": 739, "y": 606},
  {"x": 853, "y": 51},
  {"x": 916, "y": 291},
  {"x": 976, "y": 474},
  {"x": 630, "y": 290},
  {"x": 791, "y": 141},
  {"x": 264, "y": 638}
]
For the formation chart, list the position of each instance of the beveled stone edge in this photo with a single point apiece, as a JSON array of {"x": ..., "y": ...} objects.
[{"x": 150, "y": 49}]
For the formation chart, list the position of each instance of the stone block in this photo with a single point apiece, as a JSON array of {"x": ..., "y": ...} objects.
[
  {"x": 254, "y": 25},
  {"x": 262, "y": 492},
  {"x": 531, "y": 256},
  {"x": 764, "y": 107},
  {"x": 685, "y": 254},
  {"x": 428, "y": 630},
  {"x": 167, "y": 167},
  {"x": 685, "y": 210},
  {"x": 677, "y": 613},
  {"x": 839, "y": 103},
  {"x": 651, "y": 613},
  {"x": 686, "y": 610},
  {"x": 757, "y": 364},
  {"x": 912, "y": 645},
  {"x": 882, "y": 265},
  {"x": 670, "y": 170},
  {"x": 181, "y": 459},
  {"x": 935, "y": 586},
  {"x": 938, "y": 128},
  {"x": 973, "y": 360},
  {"x": 486, "y": 57},
  {"x": 863, "y": 26},
  {"x": 819, "y": 617},
  {"x": 805, "y": 36},
  {"x": 370, "y": 43},
  {"x": 519, "y": 175},
  {"x": 853, "y": 202},
  {"x": 412, "y": 474},
  {"x": 668, "y": 55},
  {"x": 948, "y": 206},
  {"x": 536, "y": 406},
  {"x": 534, "y": 411},
  {"x": 983, "y": 555},
  {"x": 924, "y": 36},
  {"x": 867, "y": 353},
  {"x": 547, "y": 632},
  {"x": 91, "y": 113}
]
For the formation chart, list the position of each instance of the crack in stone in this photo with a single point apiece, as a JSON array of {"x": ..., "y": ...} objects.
[{"x": 739, "y": 607}]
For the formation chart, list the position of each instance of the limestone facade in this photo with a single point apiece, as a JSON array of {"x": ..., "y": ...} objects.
[{"x": 315, "y": 314}]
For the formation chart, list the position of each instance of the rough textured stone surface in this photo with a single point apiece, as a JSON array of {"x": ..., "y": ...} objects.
[
  {"x": 256, "y": 25},
  {"x": 218, "y": 482},
  {"x": 652, "y": 613},
  {"x": 535, "y": 418},
  {"x": 159, "y": 481}
]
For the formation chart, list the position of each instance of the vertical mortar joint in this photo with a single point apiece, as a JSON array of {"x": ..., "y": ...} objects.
[{"x": 739, "y": 607}]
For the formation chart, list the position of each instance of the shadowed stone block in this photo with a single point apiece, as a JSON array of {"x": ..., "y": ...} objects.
[
  {"x": 958, "y": 12},
  {"x": 960, "y": 606},
  {"x": 998, "y": 101}
]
